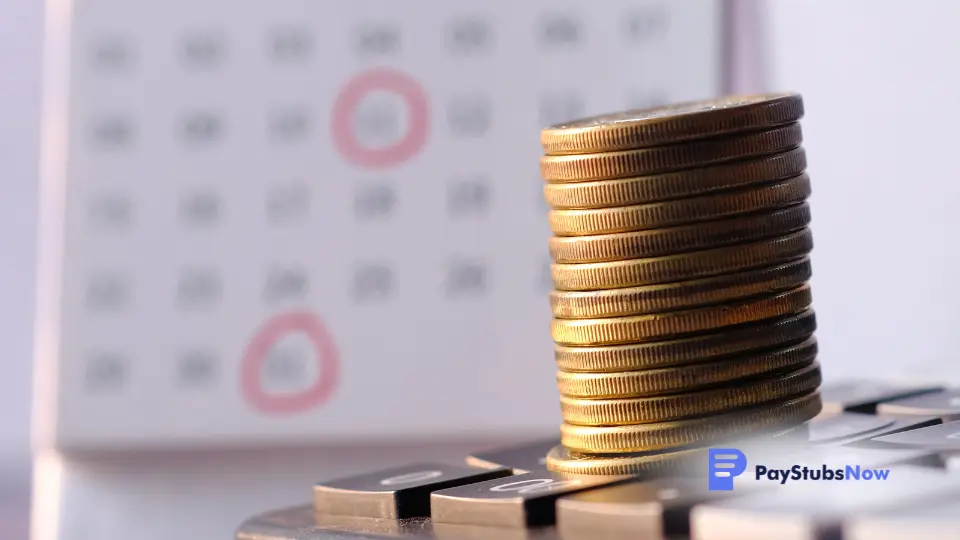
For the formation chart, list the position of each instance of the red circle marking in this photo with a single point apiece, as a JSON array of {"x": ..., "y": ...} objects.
[
  {"x": 349, "y": 99},
  {"x": 325, "y": 355}
]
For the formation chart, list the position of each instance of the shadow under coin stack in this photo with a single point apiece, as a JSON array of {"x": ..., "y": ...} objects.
[{"x": 682, "y": 310}]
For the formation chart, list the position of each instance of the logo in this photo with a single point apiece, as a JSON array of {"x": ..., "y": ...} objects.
[{"x": 724, "y": 465}]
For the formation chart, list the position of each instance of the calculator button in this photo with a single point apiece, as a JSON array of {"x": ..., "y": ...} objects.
[
  {"x": 518, "y": 501},
  {"x": 832, "y": 427},
  {"x": 396, "y": 493},
  {"x": 846, "y": 428},
  {"x": 864, "y": 395},
  {"x": 525, "y": 458},
  {"x": 945, "y": 404},
  {"x": 938, "y": 437},
  {"x": 929, "y": 522},
  {"x": 816, "y": 510},
  {"x": 634, "y": 510}
]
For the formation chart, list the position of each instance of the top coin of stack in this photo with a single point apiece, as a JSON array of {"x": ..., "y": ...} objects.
[{"x": 682, "y": 310}]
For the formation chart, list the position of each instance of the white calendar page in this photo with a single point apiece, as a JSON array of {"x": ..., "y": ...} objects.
[{"x": 304, "y": 221}]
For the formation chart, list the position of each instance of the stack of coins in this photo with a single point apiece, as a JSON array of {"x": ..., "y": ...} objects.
[{"x": 682, "y": 310}]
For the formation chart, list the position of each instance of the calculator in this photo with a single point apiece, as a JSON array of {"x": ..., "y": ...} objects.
[{"x": 898, "y": 445}]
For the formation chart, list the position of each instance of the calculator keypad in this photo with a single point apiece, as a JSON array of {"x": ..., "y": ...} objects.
[
  {"x": 945, "y": 404},
  {"x": 518, "y": 501},
  {"x": 398, "y": 493},
  {"x": 945, "y": 437},
  {"x": 508, "y": 493},
  {"x": 817, "y": 510},
  {"x": 864, "y": 395},
  {"x": 848, "y": 427},
  {"x": 525, "y": 458},
  {"x": 645, "y": 509}
]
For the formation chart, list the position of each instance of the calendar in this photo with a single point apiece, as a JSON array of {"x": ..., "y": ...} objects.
[{"x": 310, "y": 221}]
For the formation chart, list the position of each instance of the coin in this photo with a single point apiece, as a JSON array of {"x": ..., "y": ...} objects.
[
  {"x": 699, "y": 431},
  {"x": 680, "y": 265},
  {"x": 692, "y": 377},
  {"x": 686, "y": 462},
  {"x": 656, "y": 126},
  {"x": 677, "y": 352},
  {"x": 667, "y": 408},
  {"x": 675, "y": 185},
  {"x": 672, "y": 240},
  {"x": 646, "y": 465},
  {"x": 661, "y": 159},
  {"x": 672, "y": 268},
  {"x": 680, "y": 295},
  {"x": 644, "y": 217},
  {"x": 651, "y": 327}
]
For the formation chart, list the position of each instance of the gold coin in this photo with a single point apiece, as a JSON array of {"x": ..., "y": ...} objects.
[
  {"x": 659, "y": 354},
  {"x": 644, "y": 217},
  {"x": 627, "y": 411},
  {"x": 680, "y": 295},
  {"x": 672, "y": 268},
  {"x": 675, "y": 185},
  {"x": 669, "y": 241},
  {"x": 686, "y": 462},
  {"x": 652, "y": 464},
  {"x": 657, "y": 326},
  {"x": 683, "y": 462},
  {"x": 696, "y": 431},
  {"x": 689, "y": 378},
  {"x": 640, "y": 128},
  {"x": 661, "y": 159}
]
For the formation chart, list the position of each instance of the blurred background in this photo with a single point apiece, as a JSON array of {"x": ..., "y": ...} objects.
[{"x": 283, "y": 241}]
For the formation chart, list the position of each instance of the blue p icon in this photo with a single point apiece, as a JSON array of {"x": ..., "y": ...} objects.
[{"x": 724, "y": 465}]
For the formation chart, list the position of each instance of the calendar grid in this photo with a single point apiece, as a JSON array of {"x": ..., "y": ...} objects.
[{"x": 271, "y": 216}]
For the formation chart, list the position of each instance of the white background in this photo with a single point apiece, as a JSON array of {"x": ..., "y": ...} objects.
[
  {"x": 20, "y": 45},
  {"x": 880, "y": 79}
]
